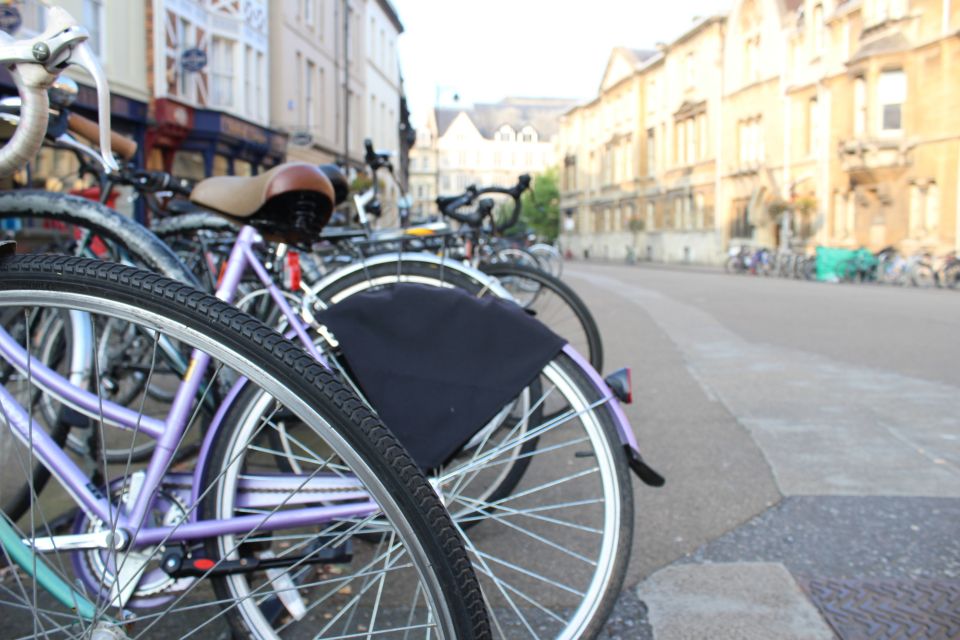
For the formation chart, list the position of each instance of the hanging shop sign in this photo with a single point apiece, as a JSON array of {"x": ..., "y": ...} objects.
[{"x": 193, "y": 60}]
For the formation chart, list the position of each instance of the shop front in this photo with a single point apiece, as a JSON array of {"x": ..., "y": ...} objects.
[{"x": 197, "y": 143}]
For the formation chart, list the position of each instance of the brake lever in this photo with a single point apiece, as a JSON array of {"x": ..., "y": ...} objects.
[{"x": 82, "y": 56}]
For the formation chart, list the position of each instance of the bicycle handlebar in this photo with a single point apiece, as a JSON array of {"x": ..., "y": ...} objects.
[
  {"x": 36, "y": 64},
  {"x": 374, "y": 159},
  {"x": 449, "y": 204}
]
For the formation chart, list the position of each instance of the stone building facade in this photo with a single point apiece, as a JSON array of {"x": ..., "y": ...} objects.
[{"x": 831, "y": 122}]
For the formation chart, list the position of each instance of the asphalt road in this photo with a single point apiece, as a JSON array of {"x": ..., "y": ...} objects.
[{"x": 810, "y": 436}]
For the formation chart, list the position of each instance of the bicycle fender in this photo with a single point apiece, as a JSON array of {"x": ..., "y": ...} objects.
[{"x": 631, "y": 449}]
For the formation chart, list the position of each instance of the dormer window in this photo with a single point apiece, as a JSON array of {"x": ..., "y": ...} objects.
[
  {"x": 528, "y": 134},
  {"x": 505, "y": 134}
]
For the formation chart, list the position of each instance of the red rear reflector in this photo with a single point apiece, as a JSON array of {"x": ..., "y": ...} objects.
[{"x": 204, "y": 564}]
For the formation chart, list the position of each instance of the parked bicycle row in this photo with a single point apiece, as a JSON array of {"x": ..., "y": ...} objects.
[
  {"x": 248, "y": 423},
  {"x": 887, "y": 266}
]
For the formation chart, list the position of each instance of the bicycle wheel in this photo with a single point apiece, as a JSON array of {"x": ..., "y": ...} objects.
[
  {"x": 550, "y": 259},
  {"x": 922, "y": 275},
  {"x": 292, "y": 580},
  {"x": 542, "y": 496},
  {"x": 951, "y": 276},
  {"x": 555, "y": 304}
]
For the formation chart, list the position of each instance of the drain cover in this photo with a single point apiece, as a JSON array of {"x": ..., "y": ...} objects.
[{"x": 882, "y": 610}]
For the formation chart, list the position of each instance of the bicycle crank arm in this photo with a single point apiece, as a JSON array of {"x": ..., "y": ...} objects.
[{"x": 80, "y": 541}]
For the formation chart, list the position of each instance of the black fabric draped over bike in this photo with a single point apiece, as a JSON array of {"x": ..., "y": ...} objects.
[{"x": 438, "y": 364}]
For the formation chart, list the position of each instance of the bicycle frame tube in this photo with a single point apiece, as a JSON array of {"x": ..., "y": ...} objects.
[{"x": 242, "y": 256}]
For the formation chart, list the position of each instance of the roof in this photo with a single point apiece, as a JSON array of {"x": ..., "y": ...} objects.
[
  {"x": 392, "y": 14},
  {"x": 540, "y": 113},
  {"x": 639, "y": 55}
]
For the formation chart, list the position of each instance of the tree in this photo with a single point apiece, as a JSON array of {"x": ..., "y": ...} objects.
[{"x": 540, "y": 207}]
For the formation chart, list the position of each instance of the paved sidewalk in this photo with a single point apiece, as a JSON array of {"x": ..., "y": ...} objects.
[{"x": 842, "y": 477}]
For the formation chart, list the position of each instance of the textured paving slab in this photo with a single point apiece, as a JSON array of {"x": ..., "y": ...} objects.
[
  {"x": 759, "y": 601},
  {"x": 628, "y": 620},
  {"x": 717, "y": 478},
  {"x": 889, "y": 610},
  {"x": 866, "y": 538},
  {"x": 825, "y": 426}
]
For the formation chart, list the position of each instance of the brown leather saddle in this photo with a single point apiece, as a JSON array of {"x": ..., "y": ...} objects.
[{"x": 291, "y": 202}]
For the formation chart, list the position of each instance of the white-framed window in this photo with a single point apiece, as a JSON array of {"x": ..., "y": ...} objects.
[
  {"x": 309, "y": 16},
  {"x": 680, "y": 132},
  {"x": 505, "y": 134},
  {"x": 249, "y": 80},
  {"x": 651, "y": 151},
  {"x": 308, "y": 93},
  {"x": 891, "y": 94},
  {"x": 859, "y": 106},
  {"x": 702, "y": 136},
  {"x": 528, "y": 134},
  {"x": 222, "y": 74},
  {"x": 816, "y": 23},
  {"x": 94, "y": 19}
]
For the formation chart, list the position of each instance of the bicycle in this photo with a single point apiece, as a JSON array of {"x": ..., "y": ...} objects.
[{"x": 231, "y": 544}]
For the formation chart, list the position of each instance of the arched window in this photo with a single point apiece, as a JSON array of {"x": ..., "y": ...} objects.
[
  {"x": 505, "y": 134},
  {"x": 528, "y": 134}
]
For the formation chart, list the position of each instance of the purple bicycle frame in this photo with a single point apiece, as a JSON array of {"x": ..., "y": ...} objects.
[{"x": 168, "y": 432}]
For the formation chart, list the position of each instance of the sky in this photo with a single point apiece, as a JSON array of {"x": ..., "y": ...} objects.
[{"x": 485, "y": 50}]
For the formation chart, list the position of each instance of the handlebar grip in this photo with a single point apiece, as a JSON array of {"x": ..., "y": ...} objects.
[
  {"x": 28, "y": 136},
  {"x": 121, "y": 145}
]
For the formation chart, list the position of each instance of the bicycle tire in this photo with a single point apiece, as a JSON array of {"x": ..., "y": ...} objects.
[
  {"x": 951, "y": 276},
  {"x": 289, "y": 375},
  {"x": 581, "y": 332}
]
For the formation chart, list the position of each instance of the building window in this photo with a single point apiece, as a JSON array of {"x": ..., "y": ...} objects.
[
  {"x": 750, "y": 137},
  {"x": 818, "y": 29},
  {"x": 702, "y": 136},
  {"x": 891, "y": 94},
  {"x": 751, "y": 59},
  {"x": 527, "y": 134},
  {"x": 308, "y": 14},
  {"x": 924, "y": 210},
  {"x": 505, "y": 134},
  {"x": 308, "y": 91},
  {"x": 680, "y": 132},
  {"x": 813, "y": 126},
  {"x": 222, "y": 72},
  {"x": 651, "y": 151},
  {"x": 651, "y": 221},
  {"x": 859, "y": 106}
]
